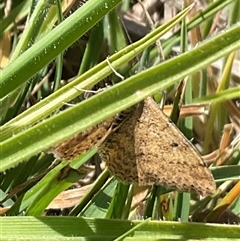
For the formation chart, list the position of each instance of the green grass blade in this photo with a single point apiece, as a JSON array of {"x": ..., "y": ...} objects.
[
  {"x": 115, "y": 99},
  {"x": 85, "y": 81},
  {"x": 55, "y": 228},
  {"x": 44, "y": 51}
]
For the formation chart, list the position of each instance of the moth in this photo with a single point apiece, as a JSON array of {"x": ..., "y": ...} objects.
[{"x": 146, "y": 148}]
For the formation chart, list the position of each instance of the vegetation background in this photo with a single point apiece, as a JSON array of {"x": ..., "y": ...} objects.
[{"x": 52, "y": 51}]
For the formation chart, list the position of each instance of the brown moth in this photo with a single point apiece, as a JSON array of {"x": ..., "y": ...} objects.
[{"x": 148, "y": 149}]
